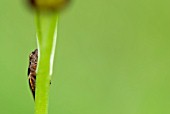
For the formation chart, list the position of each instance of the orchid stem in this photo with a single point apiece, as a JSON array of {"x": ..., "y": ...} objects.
[{"x": 46, "y": 41}]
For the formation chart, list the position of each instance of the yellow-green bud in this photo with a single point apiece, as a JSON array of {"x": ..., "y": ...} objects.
[{"x": 49, "y": 4}]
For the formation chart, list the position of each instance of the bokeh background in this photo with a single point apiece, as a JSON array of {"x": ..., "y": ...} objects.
[{"x": 112, "y": 57}]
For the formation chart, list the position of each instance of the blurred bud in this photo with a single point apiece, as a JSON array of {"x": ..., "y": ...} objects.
[{"x": 49, "y": 4}]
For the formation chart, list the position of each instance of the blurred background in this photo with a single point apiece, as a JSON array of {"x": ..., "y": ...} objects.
[{"x": 112, "y": 57}]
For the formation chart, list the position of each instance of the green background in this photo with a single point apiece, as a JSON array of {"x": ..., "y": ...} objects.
[{"x": 112, "y": 57}]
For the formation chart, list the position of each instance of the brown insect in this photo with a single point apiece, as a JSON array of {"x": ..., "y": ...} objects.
[{"x": 33, "y": 59}]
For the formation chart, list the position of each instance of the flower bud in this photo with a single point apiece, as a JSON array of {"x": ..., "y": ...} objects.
[{"x": 49, "y": 4}]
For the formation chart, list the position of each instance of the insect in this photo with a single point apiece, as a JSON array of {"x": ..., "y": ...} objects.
[
  {"x": 33, "y": 59},
  {"x": 49, "y": 4}
]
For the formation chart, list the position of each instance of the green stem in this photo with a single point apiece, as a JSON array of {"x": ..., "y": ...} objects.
[{"x": 46, "y": 39}]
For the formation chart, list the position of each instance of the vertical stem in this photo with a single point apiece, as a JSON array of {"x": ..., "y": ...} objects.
[{"x": 46, "y": 40}]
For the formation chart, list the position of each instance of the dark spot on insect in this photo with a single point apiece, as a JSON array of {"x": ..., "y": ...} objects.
[{"x": 28, "y": 71}]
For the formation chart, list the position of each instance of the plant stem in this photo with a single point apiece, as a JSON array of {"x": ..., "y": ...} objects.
[{"x": 46, "y": 40}]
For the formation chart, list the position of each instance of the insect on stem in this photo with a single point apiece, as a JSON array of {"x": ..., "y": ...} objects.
[{"x": 33, "y": 59}]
